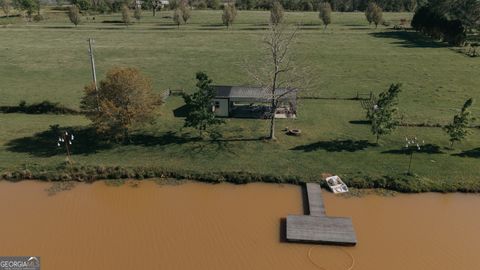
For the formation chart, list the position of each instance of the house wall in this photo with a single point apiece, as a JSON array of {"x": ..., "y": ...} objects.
[{"x": 222, "y": 109}]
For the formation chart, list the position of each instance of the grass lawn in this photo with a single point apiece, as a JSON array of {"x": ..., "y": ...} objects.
[{"x": 49, "y": 60}]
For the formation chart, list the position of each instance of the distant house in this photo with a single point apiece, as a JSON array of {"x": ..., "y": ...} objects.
[
  {"x": 161, "y": 3},
  {"x": 253, "y": 102}
]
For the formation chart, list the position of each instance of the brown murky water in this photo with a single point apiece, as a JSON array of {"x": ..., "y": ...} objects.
[{"x": 201, "y": 226}]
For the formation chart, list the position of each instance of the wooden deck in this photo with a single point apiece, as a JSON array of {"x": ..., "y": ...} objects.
[
  {"x": 317, "y": 227},
  {"x": 315, "y": 201}
]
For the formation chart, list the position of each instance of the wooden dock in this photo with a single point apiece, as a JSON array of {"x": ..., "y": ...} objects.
[
  {"x": 315, "y": 201},
  {"x": 317, "y": 227}
]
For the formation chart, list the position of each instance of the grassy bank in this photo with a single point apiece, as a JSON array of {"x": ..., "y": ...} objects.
[
  {"x": 67, "y": 173},
  {"x": 48, "y": 60}
]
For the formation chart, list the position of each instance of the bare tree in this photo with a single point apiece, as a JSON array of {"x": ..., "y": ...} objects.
[{"x": 277, "y": 75}]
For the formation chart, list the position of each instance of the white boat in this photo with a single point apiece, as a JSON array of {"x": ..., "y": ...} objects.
[{"x": 336, "y": 184}]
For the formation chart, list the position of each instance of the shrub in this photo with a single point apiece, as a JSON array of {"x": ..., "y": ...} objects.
[{"x": 38, "y": 18}]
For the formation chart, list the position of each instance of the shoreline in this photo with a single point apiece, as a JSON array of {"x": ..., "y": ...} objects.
[{"x": 401, "y": 183}]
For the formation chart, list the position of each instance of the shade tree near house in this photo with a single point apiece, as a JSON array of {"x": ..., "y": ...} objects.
[
  {"x": 457, "y": 130},
  {"x": 277, "y": 70},
  {"x": 124, "y": 100},
  {"x": 201, "y": 115}
]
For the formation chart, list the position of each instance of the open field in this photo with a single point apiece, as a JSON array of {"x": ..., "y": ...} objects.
[{"x": 49, "y": 60}]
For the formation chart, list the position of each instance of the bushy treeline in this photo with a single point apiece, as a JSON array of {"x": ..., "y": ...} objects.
[
  {"x": 105, "y": 6},
  {"x": 448, "y": 20},
  {"x": 337, "y": 5},
  {"x": 439, "y": 27}
]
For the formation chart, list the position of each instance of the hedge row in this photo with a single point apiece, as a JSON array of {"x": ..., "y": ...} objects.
[
  {"x": 44, "y": 107},
  {"x": 400, "y": 183}
]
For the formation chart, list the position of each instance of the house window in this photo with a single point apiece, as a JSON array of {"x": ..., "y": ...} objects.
[{"x": 217, "y": 104}]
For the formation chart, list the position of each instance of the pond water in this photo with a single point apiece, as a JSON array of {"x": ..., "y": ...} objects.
[{"x": 224, "y": 226}]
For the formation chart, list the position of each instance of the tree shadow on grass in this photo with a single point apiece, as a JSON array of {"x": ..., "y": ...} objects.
[
  {"x": 427, "y": 149},
  {"x": 167, "y": 138},
  {"x": 473, "y": 153},
  {"x": 217, "y": 25},
  {"x": 217, "y": 143},
  {"x": 408, "y": 39},
  {"x": 360, "y": 122},
  {"x": 335, "y": 146},
  {"x": 362, "y": 28},
  {"x": 44, "y": 144},
  {"x": 59, "y": 27}
]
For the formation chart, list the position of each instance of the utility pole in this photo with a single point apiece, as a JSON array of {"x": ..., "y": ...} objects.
[{"x": 94, "y": 73}]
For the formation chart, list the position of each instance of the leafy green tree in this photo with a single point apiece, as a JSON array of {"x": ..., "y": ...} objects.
[
  {"x": 6, "y": 6},
  {"x": 229, "y": 14},
  {"x": 458, "y": 128},
  {"x": 74, "y": 15},
  {"x": 153, "y": 5},
  {"x": 377, "y": 15},
  {"x": 276, "y": 13},
  {"x": 369, "y": 12},
  {"x": 177, "y": 17},
  {"x": 383, "y": 112},
  {"x": 82, "y": 4},
  {"x": 325, "y": 14},
  {"x": 200, "y": 114},
  {"x": 125, "y": 15},
  {"x": 29, "y": 6},
  {"x": 213, "y": 4},
  {"x": 123, "y": 101},
  {"x": 468, "y": 12},
  {"x": 138, "y": 13}
]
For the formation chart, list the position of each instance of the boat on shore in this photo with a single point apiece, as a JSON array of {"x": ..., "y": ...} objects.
[{"x": 336, "y": 184}]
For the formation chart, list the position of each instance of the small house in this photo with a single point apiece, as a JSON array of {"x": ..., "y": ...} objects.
[{"x": 253, "y": 102}]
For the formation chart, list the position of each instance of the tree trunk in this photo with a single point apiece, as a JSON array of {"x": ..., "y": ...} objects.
[
  {"x": 378, "y": 137},
  {"x": 410, "y": 163},
  {"x": 272, "y": 123}
]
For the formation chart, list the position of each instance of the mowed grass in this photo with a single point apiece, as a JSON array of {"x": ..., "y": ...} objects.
[{"x": 49, "y": 60}]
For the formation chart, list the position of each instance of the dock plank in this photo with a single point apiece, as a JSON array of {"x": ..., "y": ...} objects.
[
  {"x": 318, "y": 227},
  {"x": 323, "y": 230},
  {"x": 316, "y": 206}
]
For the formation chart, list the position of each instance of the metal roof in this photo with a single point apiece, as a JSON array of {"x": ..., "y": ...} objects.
[{"x": 252, "y": 92}]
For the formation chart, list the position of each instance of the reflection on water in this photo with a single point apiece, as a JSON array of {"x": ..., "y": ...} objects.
[{"x": 202, "y": 226}]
